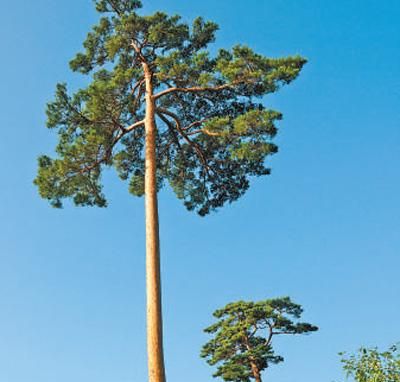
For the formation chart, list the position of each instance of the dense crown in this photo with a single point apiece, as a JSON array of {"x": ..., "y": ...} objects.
[
  {"x": 212, "y": 134},
  {"x": 241, "y": 346}
]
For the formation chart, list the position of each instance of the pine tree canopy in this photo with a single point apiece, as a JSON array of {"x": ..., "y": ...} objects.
[
  {"x": 213, "y": 132},
  {"x": 241, "y": 346}
]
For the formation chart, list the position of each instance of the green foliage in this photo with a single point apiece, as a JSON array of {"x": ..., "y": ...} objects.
[
  {"x": 117, "y": 6},
  {"x": 370, "y": 365},
  {"x": 242, "y": 336},
  {"x": 213, "y": 132}
]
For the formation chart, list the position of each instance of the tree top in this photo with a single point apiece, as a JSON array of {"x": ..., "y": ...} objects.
[{"x": 213, "y": 131}]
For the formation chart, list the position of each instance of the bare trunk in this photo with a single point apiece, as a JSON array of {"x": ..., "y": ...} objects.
[
  {"x": 256, "y": 372},
  {"x": 254, "y": 368},
  {"x": 153, "y": 278}
]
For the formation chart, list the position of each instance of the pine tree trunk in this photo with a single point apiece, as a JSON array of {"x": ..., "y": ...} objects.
[
  {"x": 153, "y": 278},
  {"x": 254, "y": 368},
  {"x": 256, "y": 372}
]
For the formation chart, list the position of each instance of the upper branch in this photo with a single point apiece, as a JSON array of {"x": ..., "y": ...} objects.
[
  {"x": 133, "y": 126},
  {"x": 137, "y": 85},
  {"x": 195, "y": 89},
  {"x": 193, "y": 144},
  {"x": 107, "y": 153},
  {"x": 115, "y": 7},
  {"x": 205, "y": 131},
  {"x": 172, "y": 131},
  {"x": 270, "y": 334},
  {"x": 194, "y": 124},
  {"x": 178, "y": 124},
  {"x": 137, "y": 47}
]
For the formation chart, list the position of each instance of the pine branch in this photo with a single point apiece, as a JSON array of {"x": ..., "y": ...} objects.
[{"x": 195, "y": 89}]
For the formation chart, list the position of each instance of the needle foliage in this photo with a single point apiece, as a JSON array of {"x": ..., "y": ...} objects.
[
  {"x": 242, "y": 338},
  {"x": 213, "y": 132}
]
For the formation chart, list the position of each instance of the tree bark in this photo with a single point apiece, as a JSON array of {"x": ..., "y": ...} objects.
[
  {"x": 254, "y": 368},
  {"x": 153, "y": 278},
  {"x": 256, "y": 372}
]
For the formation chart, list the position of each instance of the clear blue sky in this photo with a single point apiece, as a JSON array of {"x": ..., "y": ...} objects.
[{"x": 323, "y": 229}]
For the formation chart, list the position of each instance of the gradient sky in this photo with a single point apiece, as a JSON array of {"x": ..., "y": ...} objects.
[{"x": 323, "y": 228}]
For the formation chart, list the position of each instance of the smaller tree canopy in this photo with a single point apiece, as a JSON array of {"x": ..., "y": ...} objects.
[
  {"x": 370, "y": 365},
  {"x": 242, "y": 336}
]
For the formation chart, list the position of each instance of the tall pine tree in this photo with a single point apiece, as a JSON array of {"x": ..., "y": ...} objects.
[{"x": 160, "y": 109}]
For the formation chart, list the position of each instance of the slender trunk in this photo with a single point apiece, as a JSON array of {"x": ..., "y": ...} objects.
[
  {"x": 256, "y": 372},
  {"x": 153, "y": 278},
  {"x": 254, "y": 368}
]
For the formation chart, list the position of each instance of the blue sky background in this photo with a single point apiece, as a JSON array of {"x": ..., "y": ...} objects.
[{"x": 323, "y": 228}]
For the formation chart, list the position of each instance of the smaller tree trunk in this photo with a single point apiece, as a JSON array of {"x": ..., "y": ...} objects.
[
  {"x": 254, "y": 368},
  {"x": 256, "y": 372}
]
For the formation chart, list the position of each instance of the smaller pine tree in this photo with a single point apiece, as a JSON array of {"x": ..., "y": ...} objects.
[{"x": 242, "y": 337}]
